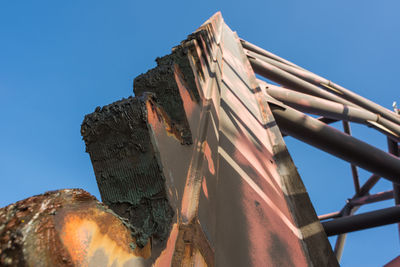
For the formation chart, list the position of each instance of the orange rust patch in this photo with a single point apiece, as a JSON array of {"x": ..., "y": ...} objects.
[
  {"x": 76, "y": 237},
  {"x": 207, "y": 153},
  {"x": 198, "y": 259},
  {"x": 204, "y": 186},
  {"x": 88, "y": 229},
  {"x": 165, "y": 259},
  {"x": 192, "y": 247},
  {"x": 66, "y": 228},
  {"x": 156, "y": 115},
  {"x": 82, "y": 237},
  {"x": 186, "y": 94}
]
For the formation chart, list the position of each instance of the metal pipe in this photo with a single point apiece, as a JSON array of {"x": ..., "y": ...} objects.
[
  {"x": 365, "y": 103},
  {"x": 359, "y": 201},
  {"x": 354, "y": 172},
  {"x": 350, "y": 209},
  {"x": 368, "y": 185},
  {"x": 381, "y": 196},
  {"x": 364, "y": 190},
  {"x": 362, "y": 221},
  {"x": 331, "y": 215},
  {"x": 293, "y": 82},
  {"x": 321, "y": 119},
  {"x": 330, "y": 86},
  {"x": 331, "y": 140},
  {"x": 394, "y": 150},
  {"x": 314, "y": 105},
  {"x": 339, "y": 246},
  {"x": 252, "y": 47},
  {"x": 341, "y": 239},
  {"x": 319, "y": 106}
]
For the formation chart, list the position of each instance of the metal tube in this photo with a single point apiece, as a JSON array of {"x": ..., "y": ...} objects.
[
  {"x": 321, "y": 119},
  {"x": 315, "y": 105},
  {"x": 331, "y": 215},
  {"x": 331, "y": 140},
  {"x": 350, "y": 209},
  {"x": 371, "y": 198},
  {"x": 319, "y": 106},
  {"x": 332, "y": 87},
  {"x": 354, "y": 172},
  {"x": 362, "y": 221},
  {"x": 364, "y": 190},
  {"x": 394, "y": 150},
  {"x": 293, "y": 82},
  {"x": 339, "y": 246},
  {"x": 368, "y": 185},
  {"x": 365, "y": 103},
  {"x": 359, "y": 201},
  {"x": 341, "y": 239},
  {"x": 252, "y": 47}
]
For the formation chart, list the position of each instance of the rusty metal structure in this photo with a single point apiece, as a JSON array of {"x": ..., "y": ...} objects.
[
  {"x": 196, "y": 170},
  {"x": 66, "y": 228}
]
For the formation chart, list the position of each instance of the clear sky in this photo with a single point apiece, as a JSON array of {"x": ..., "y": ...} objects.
[{"x": 59, "y": 60}]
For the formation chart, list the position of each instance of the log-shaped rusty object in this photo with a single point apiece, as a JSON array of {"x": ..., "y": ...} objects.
[{"x": 66, "y": 228}]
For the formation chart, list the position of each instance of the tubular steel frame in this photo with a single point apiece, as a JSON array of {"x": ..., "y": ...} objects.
[{"x": 301, "y": 92}]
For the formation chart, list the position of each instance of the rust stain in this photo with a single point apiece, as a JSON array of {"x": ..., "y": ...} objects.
[
  {"x": 156, "y": 115},
  {"x": 204, "y": 186},
  {"x": 76, "y": 237},
  {"x": 165, "y": 258},
  {"x": 198, "y": 259},
  {"x": 207, "y": 154},
  {"x": 186, "y": 94},
  {"x": 187, "y": 255},
  {"x": 82, "y": 237},
  {"x": 192, "y": 247},
  {"x": 64, "y": 228}
]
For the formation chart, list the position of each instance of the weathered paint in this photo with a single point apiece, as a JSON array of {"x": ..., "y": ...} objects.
[
  {"x": 66, "y": 228},
  {"x": 393, "y": 263},
  {"x": 215, "y": 145}
]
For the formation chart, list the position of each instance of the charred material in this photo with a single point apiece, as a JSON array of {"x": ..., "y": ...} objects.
[
  {"x": 127, "y": 170},
  {"x": 162, "y": 83}
]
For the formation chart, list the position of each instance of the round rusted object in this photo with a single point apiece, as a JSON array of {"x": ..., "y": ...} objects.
[{"x": 66, "y": 228}]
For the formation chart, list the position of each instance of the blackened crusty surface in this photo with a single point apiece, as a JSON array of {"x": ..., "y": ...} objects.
[
  {"x": 127, "y": 171},
  {"x": 161, "y": 82}
]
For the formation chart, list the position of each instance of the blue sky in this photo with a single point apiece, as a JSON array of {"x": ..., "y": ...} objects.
[{"x": 61, "y": 59}]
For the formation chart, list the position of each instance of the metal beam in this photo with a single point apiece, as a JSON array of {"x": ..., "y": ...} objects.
[
  {"x": 341, "y": 239},
  {"x": 364, "y": 190},
  {"x": 315, "y": 105},
  {"x": 333, "y": 141},
  {"x": 327, "y": 85},
  {"x": 331, "y": 215},
  {"x": 252, "y": 47},
  {"x": 381, "y": 196},
  {"x": 362, "y": 221},
  {"x": 291, "y": 81},
  {"x": 394, "y": 150},
  {"x": 368, "y": 185},
  {"x": 351, "y": 207},
  {"x": 319, "y": 106},
  {"x": 354, "y": 172}
]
